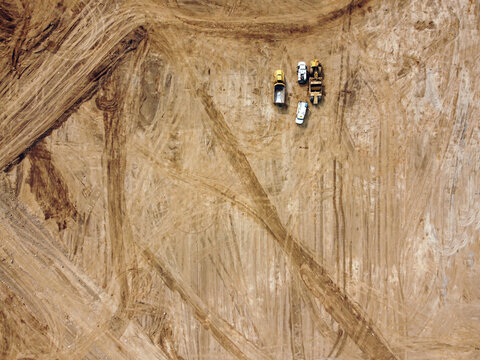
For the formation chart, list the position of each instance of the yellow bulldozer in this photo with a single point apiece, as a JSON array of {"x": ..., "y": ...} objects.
[{"x": 315, "y": 85}]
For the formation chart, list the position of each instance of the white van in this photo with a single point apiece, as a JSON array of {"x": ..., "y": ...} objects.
[{"x": 301, "y": 112}]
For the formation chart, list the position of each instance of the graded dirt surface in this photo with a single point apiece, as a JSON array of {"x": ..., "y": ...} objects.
[{"x": 155, "y": 204}]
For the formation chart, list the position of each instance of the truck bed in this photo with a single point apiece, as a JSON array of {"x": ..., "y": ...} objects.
[{"x": 279, "y": 94}]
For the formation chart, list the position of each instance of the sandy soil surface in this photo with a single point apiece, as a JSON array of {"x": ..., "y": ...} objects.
[{"x": 155, "y": 204}]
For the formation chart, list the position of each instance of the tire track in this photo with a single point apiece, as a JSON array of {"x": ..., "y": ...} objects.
[
  {"x": 228, "y": 279},
  {"x": 224, "y": 333},
  {"x": 21, "y": 329},
  {"x": 19, "y": 117},
  {"x": 297, "y": 341},
  {"x": 204, "y": 184},
  {"x": 348, "y": 315},
  {"x": 315, "y": 277},
  {"x": 339, "y": 197},
  {"x": 27, "y": 14},
  {"x": 340, "y": 105},
  {"x": 271, "y": 28},
  {"x": 51, "y": 90},
  {"x": 39, "y": 264},
  {"x": 49, "y": 187},
  {"x": 111, "y": 103},
  {"x": 117, "y": 102}
]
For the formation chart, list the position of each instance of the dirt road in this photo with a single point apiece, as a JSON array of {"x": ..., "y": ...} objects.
[{"x": 155, "y": 204}]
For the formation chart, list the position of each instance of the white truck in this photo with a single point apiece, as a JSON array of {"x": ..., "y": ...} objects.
[
  {"x": 279, "y": 90},
  {"x": 301, "y": 112},
  {"x": 302, "y": 72}
]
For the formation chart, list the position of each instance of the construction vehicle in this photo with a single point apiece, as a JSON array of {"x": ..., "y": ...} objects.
[
  {"x": 315, "y": 90},
  {"x": 302, "y": 72},
  {"x": 279, "y": 88},
  {"x": 315, "y": 86},
  {"x": 301, "y": 112},
  {"x": 316, "y": 69}
]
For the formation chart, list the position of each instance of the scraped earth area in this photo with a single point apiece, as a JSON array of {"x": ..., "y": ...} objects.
[{"x": 156, "y": 204}]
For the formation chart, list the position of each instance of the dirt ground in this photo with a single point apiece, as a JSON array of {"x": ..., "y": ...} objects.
[{"x": 155, "y": 204}]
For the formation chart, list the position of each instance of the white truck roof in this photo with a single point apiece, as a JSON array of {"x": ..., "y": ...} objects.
[{"x": 301, "y": 112}]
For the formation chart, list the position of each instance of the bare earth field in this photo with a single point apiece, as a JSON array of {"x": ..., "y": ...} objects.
[{"x": 155, "y": 204}]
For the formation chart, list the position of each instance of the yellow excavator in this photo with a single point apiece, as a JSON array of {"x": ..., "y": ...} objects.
[
  {"x": 315, "y": 86},
  {"x": 279, "y": 90}
]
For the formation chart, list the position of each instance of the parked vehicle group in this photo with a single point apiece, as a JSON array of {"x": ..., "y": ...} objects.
[{"x": 313, "y": 76}]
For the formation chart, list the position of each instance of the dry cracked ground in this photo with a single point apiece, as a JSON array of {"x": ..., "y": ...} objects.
[{"x": 154, "y": 204}]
